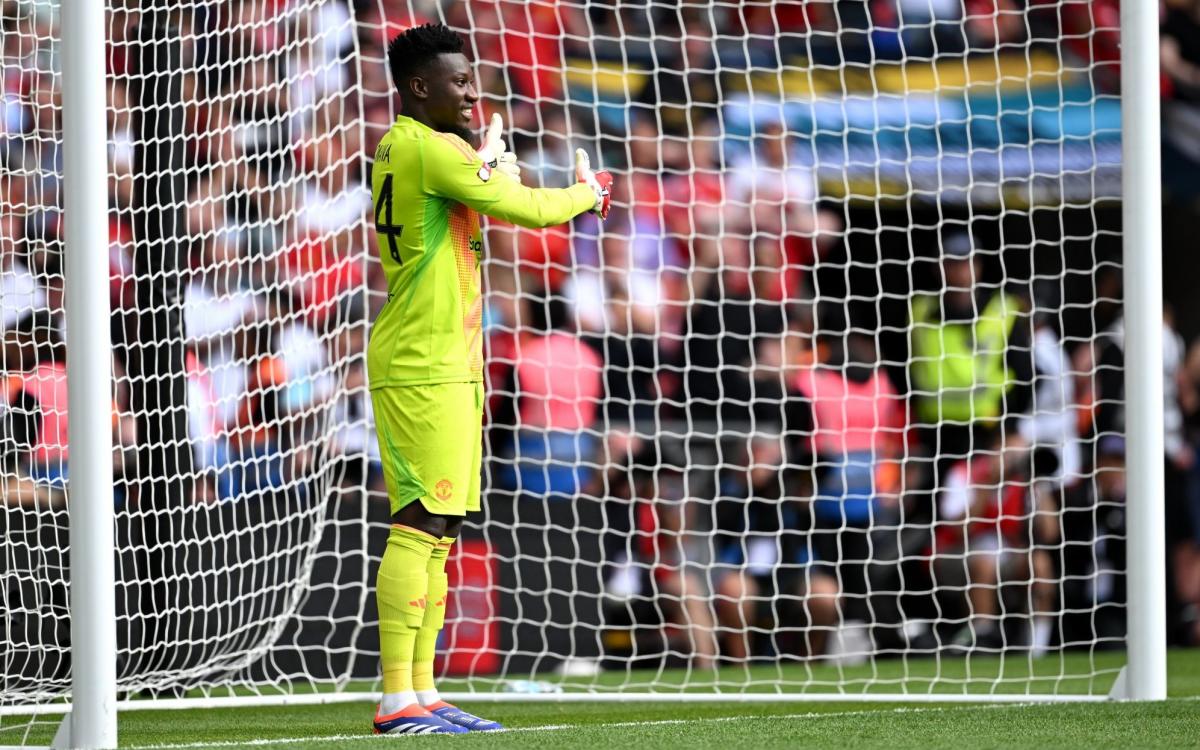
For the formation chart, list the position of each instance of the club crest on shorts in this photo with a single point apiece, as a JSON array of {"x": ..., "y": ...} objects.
[{"x": 443, "y": 489}]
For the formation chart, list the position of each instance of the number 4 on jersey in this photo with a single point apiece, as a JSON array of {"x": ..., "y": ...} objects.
[{"x": 383, "y": 220}]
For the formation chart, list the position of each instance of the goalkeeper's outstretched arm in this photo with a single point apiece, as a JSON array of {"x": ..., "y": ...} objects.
[{"x": 452, "y": 169}]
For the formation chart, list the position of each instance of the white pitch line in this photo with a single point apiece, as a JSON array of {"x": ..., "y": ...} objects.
[{"x": 610, "y": 725}]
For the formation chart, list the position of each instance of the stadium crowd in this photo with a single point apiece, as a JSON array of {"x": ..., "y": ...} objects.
[{"x": 748, "y": 435}]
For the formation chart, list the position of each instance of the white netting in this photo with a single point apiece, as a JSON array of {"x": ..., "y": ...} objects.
[
  {"x": 857, "y": 288},
  {"x": 237, "y": 270}
]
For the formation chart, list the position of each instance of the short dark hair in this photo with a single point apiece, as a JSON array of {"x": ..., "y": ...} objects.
[{"x": 411, "y": 50}]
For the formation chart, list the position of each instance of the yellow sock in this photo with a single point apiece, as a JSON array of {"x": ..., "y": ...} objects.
[
  {"x": 401, "y": 595},
  {"x": 435, "y": 617}
]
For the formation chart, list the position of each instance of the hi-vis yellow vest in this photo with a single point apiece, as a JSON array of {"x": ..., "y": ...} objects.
[{"x": 958, "y": 368}]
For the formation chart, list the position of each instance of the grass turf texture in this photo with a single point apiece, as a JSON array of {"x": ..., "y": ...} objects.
[{"x": 1173, "y": 723}]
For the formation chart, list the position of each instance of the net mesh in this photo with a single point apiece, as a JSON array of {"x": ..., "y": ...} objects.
[{"x": 831, "y": 393}]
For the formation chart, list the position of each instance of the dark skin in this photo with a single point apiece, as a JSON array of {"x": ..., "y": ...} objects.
[{"x": 443, "y": 96}]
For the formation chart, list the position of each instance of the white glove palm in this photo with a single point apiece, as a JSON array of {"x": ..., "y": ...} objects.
[{"x": 494, "y": 151}]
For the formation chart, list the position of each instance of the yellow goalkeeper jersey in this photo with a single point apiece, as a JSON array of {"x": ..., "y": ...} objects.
[{"x": 429, "y": 189}]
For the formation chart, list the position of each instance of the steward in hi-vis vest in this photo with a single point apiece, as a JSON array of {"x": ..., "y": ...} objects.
[
  {"x": 969, "y": 346},
  {"x": 960, "y": 367}
]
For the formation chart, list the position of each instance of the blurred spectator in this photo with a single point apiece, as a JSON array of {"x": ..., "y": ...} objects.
[
  {"x": 858, "y": 424},
  {"x": 930, "y": 27},
  {"x": 547, "y": 157},
  {"x": 44, "y": 380},
  {"x": 592, "y": 289},
  {"x": 789, "y": 23},
  {"x": 1110, "y": 406},
  {"x": 642, "y": 190},
  {"x": 21, "y": 295},
  {"x": 304, "y": 397},
  {"x": 42, "y": 156},
  {"x": 695, "y": 200},
  {"x": 1052, "y": 425},
  {"x": 321, "y": 49},
  {"x": 762, "y": 396},
  {"x": 723, "y": 324},
  {"x": 124, "y": 435},
  {"x": 994, "y": 24},
  {"x": 1186, "y": 553},
  {"x": 646, "y": 517},
  {"x": 120, "y": 148},
  {"x": 628, "y": 351},
  {"x": 762, "y": 556},
  {"x": 20, "y": 427},
  {"x": 1094, "y": 561},
  {"x": 319, "y": 276},
  {"x": 557, "y": 386},
  {"x": 1189, "y": 401},
  {"x": 219, "y": 318},
  {"x": 618, "y": 31},
  {"x": 521, "y": 43},
  {"x": 335, "y": 198},
  {"x": 1183, "y": 545},
  {"x": 994, "y": 528},
  {"x": 970, "y": 362},
  {"x": 1090, "y": 31},
  {"x": 772, "y": 198},
  {"x": 250, "y": 460},
  {"x": 351, "y": 417},
  {"x": 1179, "y": 43},
  {"x": 271, "y": 444},
  {"x": 684, "y": 92}
]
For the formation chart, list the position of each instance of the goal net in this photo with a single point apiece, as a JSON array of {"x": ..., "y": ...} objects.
[{"x": 830, "y": 405}]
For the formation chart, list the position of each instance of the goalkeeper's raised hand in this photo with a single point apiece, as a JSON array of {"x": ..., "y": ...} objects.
[
  {"x": 600, "y": 182},
  {"x": 495, "y": 153}
]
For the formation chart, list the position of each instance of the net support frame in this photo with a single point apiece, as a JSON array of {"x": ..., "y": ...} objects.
[
  {"x": 1141, "y": 192},
  {"x": 93, "y": 717}
]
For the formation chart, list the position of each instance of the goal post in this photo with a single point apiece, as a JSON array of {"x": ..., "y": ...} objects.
[
  {"x": 92, "y": 722},
  {"x": 722, "y": 460},
  {"x": 1142, "y": 200}
]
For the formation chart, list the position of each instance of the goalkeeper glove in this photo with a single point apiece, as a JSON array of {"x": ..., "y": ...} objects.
[
  {"x": 495, "y": 153},
  {"x": 600, "y": 182}
]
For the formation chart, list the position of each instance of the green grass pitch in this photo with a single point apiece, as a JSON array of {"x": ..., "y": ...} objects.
[{"x": 1172, "y": 723}]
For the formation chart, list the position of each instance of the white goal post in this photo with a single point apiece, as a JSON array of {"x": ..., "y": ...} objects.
[
  {"x": 92, "y": 722},
  {"x": 1141, "y": 193},
  {"x": 226, "y": 601}
]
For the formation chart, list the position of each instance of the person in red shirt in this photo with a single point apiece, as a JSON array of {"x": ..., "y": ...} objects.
[
  {"x": 556, "y": 386},
  {"x": 993, "y": 528},
  {"x": 858, "y": 424},
  {"x": 647, "y": 579},
  {"x": 772, "y": 198}
]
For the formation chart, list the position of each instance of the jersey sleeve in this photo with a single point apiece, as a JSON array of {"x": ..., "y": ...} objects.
[{"x": 451, "y": 169}]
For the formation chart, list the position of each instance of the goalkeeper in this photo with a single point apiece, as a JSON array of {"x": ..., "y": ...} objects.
[{"x": 425, "y": 357}]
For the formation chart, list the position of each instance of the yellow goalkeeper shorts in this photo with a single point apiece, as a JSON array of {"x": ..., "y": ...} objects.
[{"x": 431, "y": 443}]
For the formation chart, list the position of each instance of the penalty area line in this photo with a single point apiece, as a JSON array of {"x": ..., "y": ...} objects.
[{"x": 606, "y": 725}]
